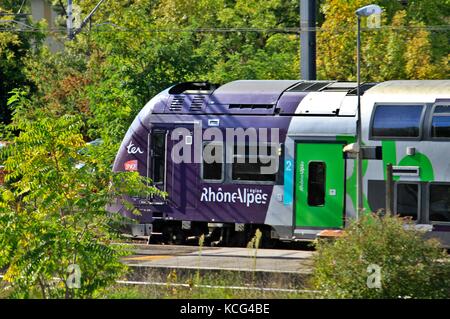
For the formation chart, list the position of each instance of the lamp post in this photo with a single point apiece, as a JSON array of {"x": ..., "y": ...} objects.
[{"x": 361, "y": 12}]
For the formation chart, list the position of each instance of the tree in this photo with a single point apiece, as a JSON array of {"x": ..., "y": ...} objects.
[
  {"x": 159, "y": 43},
  {"x": 53, "y": 212},
  {"x": 401, "y": 49},
  {"x": 14, "y": 47}
]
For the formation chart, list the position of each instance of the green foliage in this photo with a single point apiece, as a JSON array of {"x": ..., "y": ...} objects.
[
  {"x": 410, "y": 266},
  {"x": 14, "y": 48},
  {"x": 400, "y": 49},
  {"x": 158, "y": 45},
  {"x": 53, "y": 207}
]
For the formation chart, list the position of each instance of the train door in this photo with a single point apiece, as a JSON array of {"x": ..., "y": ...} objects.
[
  {"x": 157, "y": 159},
  {"x": 319, "y": 185},
  {"x": 183, "y": 174}
]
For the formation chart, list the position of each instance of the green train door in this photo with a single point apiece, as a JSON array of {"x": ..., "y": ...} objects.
[{"x": 319, "y": 185}]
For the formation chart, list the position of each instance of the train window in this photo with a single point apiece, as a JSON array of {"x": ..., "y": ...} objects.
[
  {"x": 255, "y": 165},
  {"x": 440, "y": 202},
  {"x": 397, "y": 121},
  {"x": 316, "y": 183},
  {"x": 158, "y": 145},
  {"x": 440, "y": 123},
  {"x": 212, "y": 161},
  {"x": 407, "y": 200}
]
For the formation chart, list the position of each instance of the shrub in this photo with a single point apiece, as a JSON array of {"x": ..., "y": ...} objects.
[
  {"x": 409, "y": 265},
  {"x": 56, "y": 234}
]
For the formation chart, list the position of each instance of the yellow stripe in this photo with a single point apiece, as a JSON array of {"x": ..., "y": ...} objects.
[{"x": 151, "y": 257}]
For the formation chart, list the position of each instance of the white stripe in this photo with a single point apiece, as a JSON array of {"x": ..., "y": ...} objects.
[{"x": 146, "y": 283}]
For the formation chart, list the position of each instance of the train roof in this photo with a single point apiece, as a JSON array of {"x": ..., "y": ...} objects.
[
  {"x": 435, "y": 87},
  {"x": 252, "y": 91},
  {"x": 254, "y": 97},
  {"x": 269, "y": 97}
]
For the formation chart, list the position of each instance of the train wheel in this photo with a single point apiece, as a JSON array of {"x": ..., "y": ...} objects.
[
  {"x": 173, "y": 235},
  {"x": 268, "y": 242},
  {"x": 238, "y": 239}
]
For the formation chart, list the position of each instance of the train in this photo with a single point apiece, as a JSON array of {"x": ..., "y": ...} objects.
[{"x": 276, "y": 155}]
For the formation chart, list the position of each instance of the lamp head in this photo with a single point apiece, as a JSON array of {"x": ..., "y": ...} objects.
[{"x": 368, "y": 10}]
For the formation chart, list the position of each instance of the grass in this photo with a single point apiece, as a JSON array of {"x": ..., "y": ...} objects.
[
  {"x": 169, "y": 291},
  {"x": 158, "y": 292},
  {"x": 207, "y": 285},
  {"x": 194, "y": 292}
]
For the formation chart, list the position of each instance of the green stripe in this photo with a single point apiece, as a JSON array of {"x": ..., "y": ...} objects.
[{"x": 389, "y": 152}]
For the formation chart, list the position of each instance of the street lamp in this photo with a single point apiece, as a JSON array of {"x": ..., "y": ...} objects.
[{"x": 361, "y": 12}]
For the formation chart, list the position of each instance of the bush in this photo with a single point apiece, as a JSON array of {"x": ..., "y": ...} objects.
[
  {"x": 409, "y": 265},
  {"x": 56, "y": 234}
]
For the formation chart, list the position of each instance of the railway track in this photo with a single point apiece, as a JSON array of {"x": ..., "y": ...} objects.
[
  {"x": 183, "y": 285},
  {"x": 257, "y": 269},
  {"x": 202, "y": 286}
]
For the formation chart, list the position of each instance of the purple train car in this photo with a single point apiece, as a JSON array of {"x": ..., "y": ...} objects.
[{"x": 269, "y": 155}]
